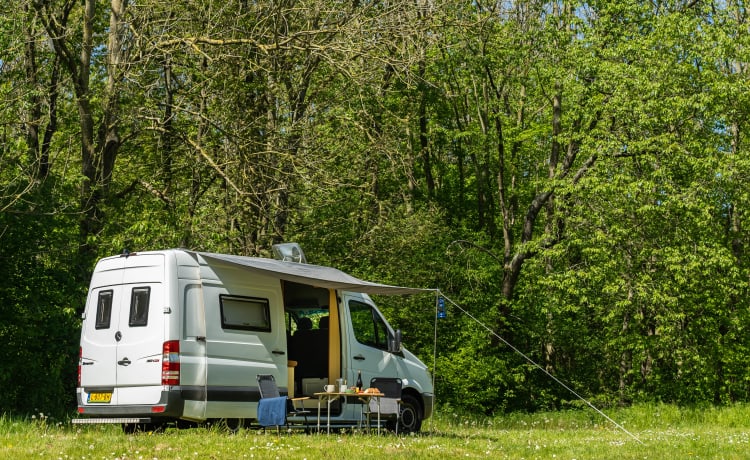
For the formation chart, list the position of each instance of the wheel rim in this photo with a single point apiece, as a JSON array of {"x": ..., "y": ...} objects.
[{"x": 409, "y": 419}]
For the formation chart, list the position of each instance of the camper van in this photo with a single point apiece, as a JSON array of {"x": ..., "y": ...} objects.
[{"x": 177, "y": 335}]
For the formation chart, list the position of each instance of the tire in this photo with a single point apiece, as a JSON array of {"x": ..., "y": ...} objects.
[
  {"x": 410, "y": 420},
  {"x": 232, "y": 425},
  {"x": 133, "y": 428}
]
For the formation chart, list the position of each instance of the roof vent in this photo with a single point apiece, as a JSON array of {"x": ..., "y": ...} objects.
[{"x": 290, "y": 252}]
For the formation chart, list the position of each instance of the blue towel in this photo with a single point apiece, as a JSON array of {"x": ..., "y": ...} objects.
[{"x": 272, "y": 411}]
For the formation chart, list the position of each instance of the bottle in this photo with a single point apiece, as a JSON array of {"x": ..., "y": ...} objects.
[{"x": 359, "y": 380}]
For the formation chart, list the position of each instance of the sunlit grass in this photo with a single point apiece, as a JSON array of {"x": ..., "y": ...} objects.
[{"x": 662, "y": 432}]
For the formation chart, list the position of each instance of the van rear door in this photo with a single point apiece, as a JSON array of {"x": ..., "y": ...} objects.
[
  {"x": 123, "y": 332},
  {"x": 98, "y": 344},
  {"x": 139, "y": 348}
]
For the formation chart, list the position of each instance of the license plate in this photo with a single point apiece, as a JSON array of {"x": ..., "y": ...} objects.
[{"x": 100, "y": 398}]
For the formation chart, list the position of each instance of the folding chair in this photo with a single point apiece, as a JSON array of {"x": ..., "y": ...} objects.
[
  {"x": 275, "y": 407},
  {"x": 390, "y": 404}
]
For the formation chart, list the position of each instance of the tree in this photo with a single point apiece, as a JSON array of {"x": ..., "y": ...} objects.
[
  {"x": 573, "y": 172},
  {"x": 38, "y": 291},
  {"x": 100, "y": 142}
]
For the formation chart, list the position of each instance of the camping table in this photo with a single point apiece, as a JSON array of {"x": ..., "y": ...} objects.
[{"x": 329, "y": 398}]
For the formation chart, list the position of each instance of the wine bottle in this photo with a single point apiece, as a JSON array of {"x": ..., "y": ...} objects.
[{"x": 359, "y": 380}]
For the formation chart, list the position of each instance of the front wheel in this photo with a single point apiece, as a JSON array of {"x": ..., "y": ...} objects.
[{"x": 410, "y": 420}]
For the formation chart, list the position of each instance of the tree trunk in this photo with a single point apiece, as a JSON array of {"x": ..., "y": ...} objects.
[{"x": 98, "y": 147}]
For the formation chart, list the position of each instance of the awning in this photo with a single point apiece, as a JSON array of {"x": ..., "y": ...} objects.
[{"x": 314, "y": 275}]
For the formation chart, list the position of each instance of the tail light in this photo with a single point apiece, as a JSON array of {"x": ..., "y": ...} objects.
[
  {"x": 170, "y": 363},
  {"x": 80, "y": 358}
]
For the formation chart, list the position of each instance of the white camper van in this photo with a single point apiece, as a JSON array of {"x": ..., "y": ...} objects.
[{"x": 179, "y": 335}]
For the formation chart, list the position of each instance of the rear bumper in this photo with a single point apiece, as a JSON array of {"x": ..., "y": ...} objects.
[
  {"x": 171, "y": 405},
  {"x": 114, "y": 420}
]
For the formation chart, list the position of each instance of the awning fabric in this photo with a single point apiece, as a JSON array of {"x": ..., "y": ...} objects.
[{"x": 314, "y": 275}]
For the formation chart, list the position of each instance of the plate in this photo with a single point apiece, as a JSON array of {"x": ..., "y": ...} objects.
[{"x": 100, "y": 398}]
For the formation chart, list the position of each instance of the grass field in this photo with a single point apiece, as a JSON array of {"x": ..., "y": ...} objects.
[{"x": 662, "y": 432}]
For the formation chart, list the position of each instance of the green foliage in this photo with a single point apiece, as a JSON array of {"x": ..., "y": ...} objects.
[
  {"x": 599, "y": 146},
  {"x": 39, "y": 298}
]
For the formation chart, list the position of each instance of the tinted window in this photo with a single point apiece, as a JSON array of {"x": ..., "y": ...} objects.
[
  {"x": 245, "y": 313},
  {"x": 139, "y": 306},
  {"x": 369, "y": 327},
  {"x": 103, "y": 309}
]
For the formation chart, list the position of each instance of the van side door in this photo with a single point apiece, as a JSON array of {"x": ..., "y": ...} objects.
[{"x": 245, "y": 336}]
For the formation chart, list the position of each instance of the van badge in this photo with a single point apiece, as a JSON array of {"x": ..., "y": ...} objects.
[{"x": 118, "y": 336}]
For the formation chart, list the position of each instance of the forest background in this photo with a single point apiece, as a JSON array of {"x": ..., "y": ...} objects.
[{"x": 573, "y": 174}]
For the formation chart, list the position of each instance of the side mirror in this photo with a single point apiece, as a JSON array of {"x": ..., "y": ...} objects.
[{"x": 394, "y": 345}]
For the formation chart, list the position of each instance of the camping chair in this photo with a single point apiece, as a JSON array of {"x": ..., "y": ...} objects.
[
  {"x": 390, "y": 404},
  {"x": 273, "y": 409}
]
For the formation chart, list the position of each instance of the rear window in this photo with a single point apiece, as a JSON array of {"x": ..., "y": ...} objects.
[
  {"x": 139, "y": 306},
  {"x": 245, "y": 313},
  {"x": 103, "y": 309}
]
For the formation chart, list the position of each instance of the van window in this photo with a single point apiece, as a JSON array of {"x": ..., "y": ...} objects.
[
  {"x": 369, "y": 327},
  {"x": 103, "y": 309},
  {"x": 245, "y": 313},
  {"x": 306, "y": 319},
  {"x": 139, "y": 306}
]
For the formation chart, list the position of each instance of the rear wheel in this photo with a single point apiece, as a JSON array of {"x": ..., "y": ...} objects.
[
  {"x": 232, "y": 425},
  {"x": 132, "y": 428},
  {"x": 410, "y": 420}
]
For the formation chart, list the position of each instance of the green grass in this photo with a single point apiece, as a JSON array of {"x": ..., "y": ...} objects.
[{"x": 663, "y": 431}]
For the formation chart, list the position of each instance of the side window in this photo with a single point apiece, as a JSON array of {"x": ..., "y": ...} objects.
[
  {"x": 103, "y": 309},
  {"x": 369, "y": 328},
  {"x": 139, "y": 306},
  {"x": 245, "y": 313}
]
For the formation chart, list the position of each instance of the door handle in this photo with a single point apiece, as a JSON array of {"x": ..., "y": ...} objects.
[
  {"x": 278, "y": 352},
  {"x": 200, "y": 338},
  {"x": 359, "y": 358},
  {"x": 124, "y": 362}
]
